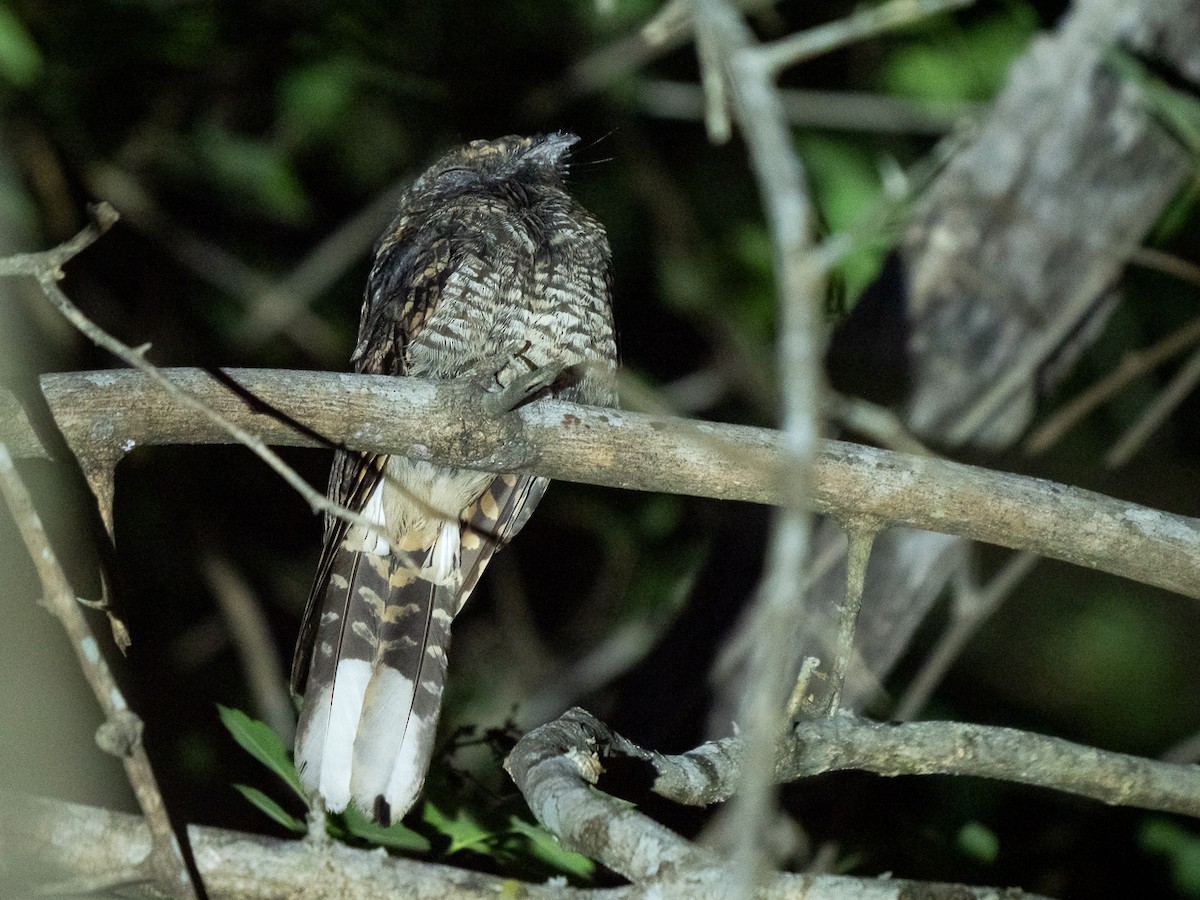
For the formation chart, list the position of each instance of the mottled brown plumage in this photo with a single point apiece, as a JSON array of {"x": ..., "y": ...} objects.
[{"x": 489, "y": 271}]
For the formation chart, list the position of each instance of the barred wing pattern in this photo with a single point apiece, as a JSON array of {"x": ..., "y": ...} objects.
[{"x": 490, "y": 270}]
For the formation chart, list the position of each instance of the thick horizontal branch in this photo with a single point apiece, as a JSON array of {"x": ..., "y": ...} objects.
[
  {"x": 54, "y": 847},
  {"x": 65, "y": 848},
  {"x": 109, "y": 413}
]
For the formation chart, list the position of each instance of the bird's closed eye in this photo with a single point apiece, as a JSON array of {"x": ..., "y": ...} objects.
[{"x": 455, "y": 176}]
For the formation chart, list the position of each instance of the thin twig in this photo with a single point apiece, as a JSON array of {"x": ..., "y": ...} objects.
[
  {"x": 1132, "y": 365},
  {"x": 1168, "y": 263},
  {"x": 1184, "y": 752},
  {"x": 804, "y": 45},
  {"x": 861, "y": 535},
  {"x": 878, "y": 423},
  {"x": 250, "y": 632},
  {"x": 841, "y": 110},
  {"x": 802, "y": 699},
  {"x": 669, "y": 29},
  {"x": 277, "y": 307},
  {"x": 1156, "y": 413},
  {"x": 103, "y": 218},
  {"x": 121, "y": 733},
  {"x": 206, "y": 260}
]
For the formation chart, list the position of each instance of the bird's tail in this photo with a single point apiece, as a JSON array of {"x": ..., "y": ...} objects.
[
  {"x": 374, "y": 692},
  {"x": 376, "y": 664}
]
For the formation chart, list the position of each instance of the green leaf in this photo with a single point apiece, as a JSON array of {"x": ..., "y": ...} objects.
[
  {"x": 254, "y": 170},
  {"x": 1179, "y": 847},
  {"x": 846, "y": 184},
  {"x": 545, "y": 847},
  {"x": 979, "y": 842},
  {"x": 396, "y": 836},
  {"x": 263, "y": 744},
  {"x": 464, "y": 830},
  {"x": 315, "y": 99},
  {"x": 20, "y": 59},
  {"x": 271, "y": 808}
]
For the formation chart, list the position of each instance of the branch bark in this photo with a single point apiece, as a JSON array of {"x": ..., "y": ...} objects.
[
  {"x": 1012, "y": 255},
  {"x": 115, "y": 411},
  {"x": 708, "y": 774},
  {"x": 556, "y": 767},
  {"x": 89, "y": 849},
  {"x": 1026, "y": 229}
]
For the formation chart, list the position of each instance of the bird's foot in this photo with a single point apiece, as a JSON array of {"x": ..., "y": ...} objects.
[{"x": 517, "y": 389}]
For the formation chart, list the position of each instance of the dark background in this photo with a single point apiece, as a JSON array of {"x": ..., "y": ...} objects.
[{"x": 260, "y": 128}]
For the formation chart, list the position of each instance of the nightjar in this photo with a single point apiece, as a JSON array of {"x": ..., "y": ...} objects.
[{"x": 490, "y": 271}]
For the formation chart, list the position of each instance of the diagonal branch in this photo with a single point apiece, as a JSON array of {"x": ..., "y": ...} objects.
[{"x": 864, "y": 24}]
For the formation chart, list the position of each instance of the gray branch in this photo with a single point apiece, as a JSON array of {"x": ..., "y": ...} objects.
[
  {"x": 83, "y": 848},
  {"x": 86, "y": 849},
  {"x": 556, "y": 767},
  {"x": 985, "y": 751},
  {"x": 112, "y": 412},
  {"x": 709, "y": 773},
  {"x": 1022, "y": 235}
]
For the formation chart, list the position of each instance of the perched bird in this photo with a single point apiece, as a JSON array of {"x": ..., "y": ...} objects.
[{"x": 490, "y": 271}]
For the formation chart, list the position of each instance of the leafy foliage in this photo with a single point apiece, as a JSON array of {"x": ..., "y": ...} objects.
[
  {"x": 1179, "y": 847},
  {"x": 257, "y": 739},
  {"x": 457, "y": 830}
]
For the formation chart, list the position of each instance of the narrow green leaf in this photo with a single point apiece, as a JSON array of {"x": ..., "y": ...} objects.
[
  {"x": 545, "y": 846},
  {"x": 271, "y": 808},
  {"x": 263, "y": 744},
  {"x": 396, "y": 836},
  {"x": 464, "y": 830}
]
